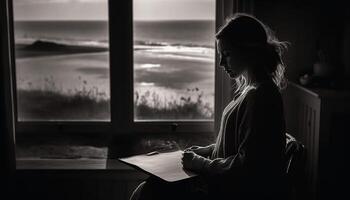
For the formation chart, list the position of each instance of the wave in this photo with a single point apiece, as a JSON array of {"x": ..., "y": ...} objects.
[
  {"x": 174, "y": 50},
  {"x": 153, "y": 43},
  {"x": 101, "y": 43},
  {"x": 177, "y": 52}
]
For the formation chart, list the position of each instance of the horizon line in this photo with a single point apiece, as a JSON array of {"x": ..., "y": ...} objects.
[{"x": 106, "y": 20}]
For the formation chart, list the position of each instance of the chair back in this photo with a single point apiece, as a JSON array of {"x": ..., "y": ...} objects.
[
  {"x": 295, "y": 165},
  {"x": 136, "y": 193}
]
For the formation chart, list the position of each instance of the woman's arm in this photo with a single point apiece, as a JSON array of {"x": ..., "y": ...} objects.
[
  {"x": 262, "y": 129},
  {"x": 193, "y": 161},
  {"x": 202, "y": 151}
]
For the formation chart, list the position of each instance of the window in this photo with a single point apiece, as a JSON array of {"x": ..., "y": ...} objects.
[
  {"x": 174, "y": 60},
  {"x": 62, "y": 60},
  {"x": 102, "y": 66}
]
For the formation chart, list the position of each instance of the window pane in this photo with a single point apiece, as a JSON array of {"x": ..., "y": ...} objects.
[
  {"x": 62, "y": 60},
  {"x": 174, "y": 50}
]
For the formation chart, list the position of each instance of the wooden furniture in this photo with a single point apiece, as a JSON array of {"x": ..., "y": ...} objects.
[
  {"x": 75, "y": 179},
  {"x": 320, "y": 119}
]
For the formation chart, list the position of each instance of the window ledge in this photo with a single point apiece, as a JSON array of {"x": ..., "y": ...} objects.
[
  {"x": 67, "y": 156},
  {"x": 71, "y": 164}
]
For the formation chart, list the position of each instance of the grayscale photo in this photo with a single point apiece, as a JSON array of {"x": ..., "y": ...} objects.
[{"x": 174, "y": 99}]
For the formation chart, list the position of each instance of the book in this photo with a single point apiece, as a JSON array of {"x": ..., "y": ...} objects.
[{"x": 166, "y": 166}]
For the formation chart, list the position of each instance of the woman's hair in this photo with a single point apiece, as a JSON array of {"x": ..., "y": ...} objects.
[{"x": 256, "y": 42}]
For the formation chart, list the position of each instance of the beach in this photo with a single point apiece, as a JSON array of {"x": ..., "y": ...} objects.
[{"x": 68, "y": 76}]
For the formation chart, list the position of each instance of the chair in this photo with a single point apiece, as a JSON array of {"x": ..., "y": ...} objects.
[
  {"x": 295, "y": 167},
  {"x": 136, "y": 193}
]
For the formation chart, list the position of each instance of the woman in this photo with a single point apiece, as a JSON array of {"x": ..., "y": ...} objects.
[{"x": 247, "y": 160}]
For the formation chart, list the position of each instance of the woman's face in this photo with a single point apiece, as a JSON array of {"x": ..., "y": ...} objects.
[{"x": 230, "y": 59}]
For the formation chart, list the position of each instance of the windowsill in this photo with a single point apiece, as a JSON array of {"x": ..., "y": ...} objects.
[
  {"x": 95, "y": 169},
  {"x": 70, "y": 164},
  {"x": 78, "y": 156}
]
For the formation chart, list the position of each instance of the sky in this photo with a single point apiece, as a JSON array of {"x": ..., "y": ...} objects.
[{"x": 97, "y": 9}]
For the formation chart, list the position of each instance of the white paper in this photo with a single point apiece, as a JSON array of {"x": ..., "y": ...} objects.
[{"x": 166, "y": 166}]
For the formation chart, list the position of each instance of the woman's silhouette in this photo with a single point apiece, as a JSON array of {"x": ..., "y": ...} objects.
[{"x": 247, "y": 160}]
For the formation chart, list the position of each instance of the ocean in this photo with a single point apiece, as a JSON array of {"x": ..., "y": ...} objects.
[
  {"x": 172, "y": 59},
  {"x": 188, "y": 32}
]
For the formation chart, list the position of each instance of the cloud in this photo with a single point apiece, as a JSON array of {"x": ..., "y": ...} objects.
[
  {"x": 60, "y": 10},
  {"x": 174, "y": 9},
  {"x": 29, "y": 2}
]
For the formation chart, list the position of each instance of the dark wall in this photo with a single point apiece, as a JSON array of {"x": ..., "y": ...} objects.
[
  {"x": 346, "y": 46},
  {"x": 296, "y": 23},
  {"x": 309, "y": 25}
]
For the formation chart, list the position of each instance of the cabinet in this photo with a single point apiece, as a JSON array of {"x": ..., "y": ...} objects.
[{"x": 320, "y": 119}]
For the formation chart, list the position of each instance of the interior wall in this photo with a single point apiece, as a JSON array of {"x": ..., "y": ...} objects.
[
  {"x": 346, "y": 46},
  {"x": 295, "y": 22},
  {"x": 309, "y": 25}
]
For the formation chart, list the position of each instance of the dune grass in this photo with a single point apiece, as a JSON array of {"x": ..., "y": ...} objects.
[
  {"x": 45, "y": 105},
  {"x": 50, "y": 103},
  {"x": 150, "y": 106}
]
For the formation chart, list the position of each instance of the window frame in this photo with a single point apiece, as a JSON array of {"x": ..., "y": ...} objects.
[
  {"x": 120, "y": 14},
  {"x": 168, "y": 126},
  {"x": 44, "y": 127}
]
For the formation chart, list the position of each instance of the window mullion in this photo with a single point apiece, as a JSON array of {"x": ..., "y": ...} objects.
[{"x": 120, "y": 14}]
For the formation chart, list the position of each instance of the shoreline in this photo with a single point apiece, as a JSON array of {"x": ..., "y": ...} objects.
[
  {"x": 42, "y": 48},
  {"x": 59, "y": 55}
]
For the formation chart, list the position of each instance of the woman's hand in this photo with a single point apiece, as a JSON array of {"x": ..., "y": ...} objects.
[
  {"x": 202, "y": 151},
  {"x": 192, "y": 161}
]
